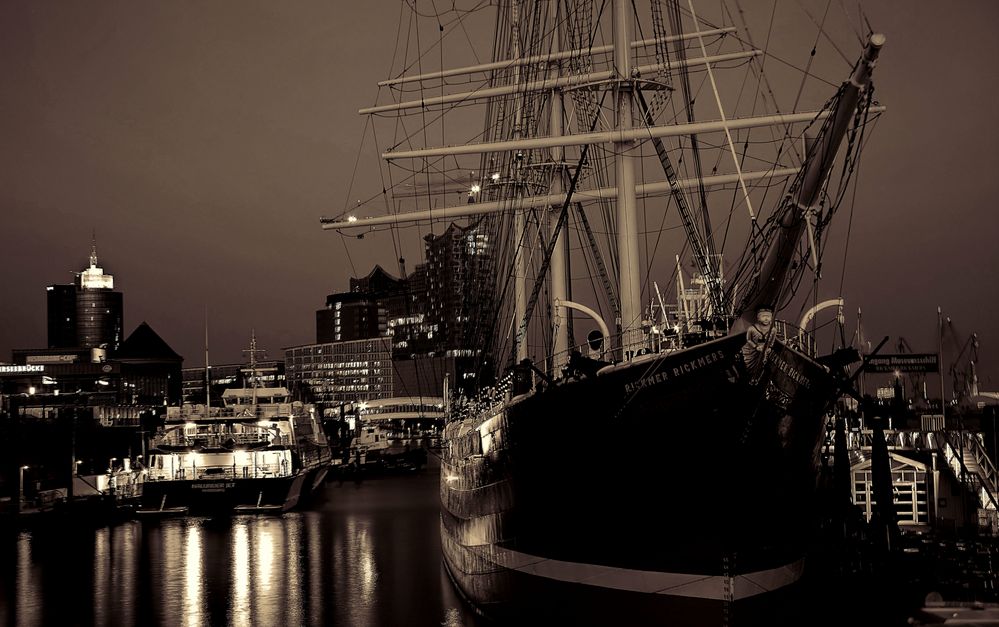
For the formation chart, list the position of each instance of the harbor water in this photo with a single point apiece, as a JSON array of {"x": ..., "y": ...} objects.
[{"x": 366, "y": 553}]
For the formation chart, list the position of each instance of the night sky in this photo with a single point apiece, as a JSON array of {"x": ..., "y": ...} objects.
[{"x": 202, "y": 141}]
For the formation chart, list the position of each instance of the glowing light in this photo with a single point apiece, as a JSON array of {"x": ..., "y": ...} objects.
[
  {"x": 496, "y": 176},
  {"x": 476, "y": 189},
  {"x": 451, "y": 478},
  {"x": 351, "y": 218}
]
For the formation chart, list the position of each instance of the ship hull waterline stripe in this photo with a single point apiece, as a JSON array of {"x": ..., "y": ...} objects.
[{"x": 712, "y": 587}]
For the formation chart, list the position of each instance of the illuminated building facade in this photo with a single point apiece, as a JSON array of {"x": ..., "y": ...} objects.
[
  {"x": 335, "y": 373},
  {"x": 144, "y": 372},
  {"x": 429, "y": 322},
  {"x": 459, "y": 287},
  {"x": 87, "y": 314},
  {"x": 350, "y": 316}
]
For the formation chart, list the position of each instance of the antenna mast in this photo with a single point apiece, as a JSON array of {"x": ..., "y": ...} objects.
[
  {"x": 253, "y": 371},
  {"x": 208, "y": 376}
]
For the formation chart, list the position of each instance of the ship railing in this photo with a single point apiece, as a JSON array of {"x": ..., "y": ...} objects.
[
  {"x": 795, "y": 337},
  {"x": 229, "y": 472},
  {"x": 222, "y": 440},
  {"x": 657, "y": 340},
  {"x": 261, "y": 411}
]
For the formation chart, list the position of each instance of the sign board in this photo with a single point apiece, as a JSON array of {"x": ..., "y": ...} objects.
[
  {"x": 51, "y": 359},
  {"x": 28, "y": 369},
  {"x": 906, "y": 362}
]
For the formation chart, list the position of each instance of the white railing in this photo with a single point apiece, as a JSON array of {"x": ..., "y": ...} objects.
[
  {"x": 208, "y": 473},
  {"x": 985, "y": 477},
  {"x": 218, "y": 440}
]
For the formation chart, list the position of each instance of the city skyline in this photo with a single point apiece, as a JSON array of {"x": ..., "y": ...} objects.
[{"x": 133, "y": 122}]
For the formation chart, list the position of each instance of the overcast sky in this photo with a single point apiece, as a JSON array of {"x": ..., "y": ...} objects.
[{"x": 202, "y": 141}]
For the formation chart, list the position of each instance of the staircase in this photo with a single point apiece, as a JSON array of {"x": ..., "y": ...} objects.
[{"x": 963, "y": 451}]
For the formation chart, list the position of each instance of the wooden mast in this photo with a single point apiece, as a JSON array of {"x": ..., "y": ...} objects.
[
  {"x": 796, "y": 217},
  {"x": 625, "y": 150},
  {"x": 559, "y": 278}
]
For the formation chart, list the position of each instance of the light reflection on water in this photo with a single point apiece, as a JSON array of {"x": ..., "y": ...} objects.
[{"x": 367, "y": 554}]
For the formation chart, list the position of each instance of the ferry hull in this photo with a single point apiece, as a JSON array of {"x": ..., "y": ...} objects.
[
  {"x": 222, "y": 495},
  {"x": 679, "y": 484}
]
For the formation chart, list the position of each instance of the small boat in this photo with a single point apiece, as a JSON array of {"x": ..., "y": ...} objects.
[
  {"x": 259, "y": 452},
  {"x": 161, "y": 512}
]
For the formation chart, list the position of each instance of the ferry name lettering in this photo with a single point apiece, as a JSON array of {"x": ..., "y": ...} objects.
[{"x": 214, "y": 487}]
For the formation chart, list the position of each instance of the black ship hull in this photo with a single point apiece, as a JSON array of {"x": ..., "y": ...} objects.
[
  {"x": 227, "y": 495},
  {"x": 673, "y": 486}
]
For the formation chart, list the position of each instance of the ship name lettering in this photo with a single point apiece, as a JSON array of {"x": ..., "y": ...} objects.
[
  {"x": 792, "y": 373},
  {"x": 700, "y": 362},
  {"x": 634, "y": 386},
  {"x": 661, "y": 377}
]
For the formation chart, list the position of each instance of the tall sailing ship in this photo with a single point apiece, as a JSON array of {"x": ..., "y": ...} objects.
[{"x": 663, "y": 469}]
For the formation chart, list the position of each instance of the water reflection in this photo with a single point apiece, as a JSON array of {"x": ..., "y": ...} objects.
[
  {"x": 240, "y": 614},
  {"x": 115, "y": 567},
  {"x": 369, "y": 554}
]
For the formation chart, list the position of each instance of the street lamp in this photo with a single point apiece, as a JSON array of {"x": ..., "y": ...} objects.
[{"x": 20, "y": 486}]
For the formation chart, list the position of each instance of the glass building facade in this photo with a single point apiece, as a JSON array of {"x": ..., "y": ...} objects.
[{"x": 336, "y": 373}]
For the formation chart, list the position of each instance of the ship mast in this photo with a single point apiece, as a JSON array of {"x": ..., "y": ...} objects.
[
  {"x": 559, "y": 285},
  {"x": 519, "y": 216},
  {"x": 208, "y": 375},
  {"x": 627, "y": 214},
  {"x": 797, "y": 216},
  {"x": 624, "y": 139},
  {"x": 253, "y": 371}
]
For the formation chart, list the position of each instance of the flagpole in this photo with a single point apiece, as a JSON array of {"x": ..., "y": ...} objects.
[
  {"x": 943, "y": 400},
  {"x": 860, "y": 342}
]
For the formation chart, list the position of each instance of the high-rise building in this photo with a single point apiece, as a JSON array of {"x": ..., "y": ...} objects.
[
  {"x": 459, "y": 288},
  {"x": 87, "y": 314},
  {"x": 431, "y": 323},
  {"x": 350, "y": 316}
]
